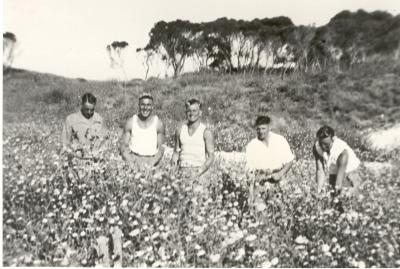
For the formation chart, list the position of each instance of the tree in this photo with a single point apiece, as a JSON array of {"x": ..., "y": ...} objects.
[
  {"x": 147, "y": 59},
  {"x": 221, "y": 30},
  {"x": 361, "y": 34},
  {"x": 115, "y": 52},
  {"x": 173, "y": 41},
  {"x": 300, "y": 38},
  {"x": 205, "y": 46},
  {"x": 9, "y": 48},
  {"x": 319, "y": 48}
]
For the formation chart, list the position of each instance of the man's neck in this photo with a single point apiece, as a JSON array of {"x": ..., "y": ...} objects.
[
  {"x": 266, "y": 139},
  {"x": 145, "y": 119},
  {"x": 193, "y": 124},
  {"x": 85, "y": 116}
]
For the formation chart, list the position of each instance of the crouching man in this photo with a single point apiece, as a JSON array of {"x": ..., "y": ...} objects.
[
  {"x": 335, "y": 161},
  {"x": 268, "y": 158}
]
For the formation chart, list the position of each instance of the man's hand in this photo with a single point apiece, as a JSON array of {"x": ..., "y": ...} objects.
[
  {"x": 262, "y": 176},
  {"x": 276, "y": 176},
  {"x": 175, "y": 159},
  {"x": 263, "y": 172},
  {"x": 200, "y": 171}
]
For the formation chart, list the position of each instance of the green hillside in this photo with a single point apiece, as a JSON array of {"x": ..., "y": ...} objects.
[
  {"x": 55, "y": 210},
  {"x": 367, "y": 96}
]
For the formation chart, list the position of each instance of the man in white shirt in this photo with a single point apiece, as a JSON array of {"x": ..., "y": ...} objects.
[
  {"x": 268, "y": 156},
  {"x": 84, "y": 134},
  {"x": 268, "y": 159},
  {"x": 141, "y": 142},
  {"x": 194, "y": 143},
  {"x": 334, "y": 158}
]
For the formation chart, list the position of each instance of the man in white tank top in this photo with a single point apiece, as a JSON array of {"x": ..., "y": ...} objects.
[
  {"x": 334, "y": 158},
  {"x": 141, "y": 142},
  {"x": 194, "y": 143}
]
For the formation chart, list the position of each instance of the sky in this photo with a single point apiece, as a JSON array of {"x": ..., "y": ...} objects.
[{"x": 69, "y": 37}]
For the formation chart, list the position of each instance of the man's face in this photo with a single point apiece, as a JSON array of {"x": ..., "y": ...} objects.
[
  {"x": 145, "y": 107},
  {"x": 326, "y": 143},
  {"x": 262, "y": 131},
  {"x": 193, "y": 112},
  {"x": 87, "y": 110}
]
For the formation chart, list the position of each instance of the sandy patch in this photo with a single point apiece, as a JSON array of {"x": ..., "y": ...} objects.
[{"x": 387, "y": 139}]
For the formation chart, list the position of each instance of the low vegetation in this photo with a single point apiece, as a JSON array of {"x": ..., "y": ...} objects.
[{"x": 55, "y": 209}]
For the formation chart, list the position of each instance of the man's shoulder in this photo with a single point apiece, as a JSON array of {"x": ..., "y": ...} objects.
[
  {"x": 278, "y": 137},
  {"x": 159, "y": 120},
  {"x": 253, "y": 143},
  {"x": 73, "y": 116},
  {"x": 207, "y": 126},
  {"x": 339, "y": 142},
  {"x": 341, "y": 145},
  {"x": 97, "y": 117}
]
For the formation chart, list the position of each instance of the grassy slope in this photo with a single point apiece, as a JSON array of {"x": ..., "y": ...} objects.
[
  {"x": 352, "y": 101},
  {"x": 36, "y": 104}
]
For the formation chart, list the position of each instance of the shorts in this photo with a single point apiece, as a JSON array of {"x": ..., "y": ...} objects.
[
  {"x": 143, "y": 162},
  {"x": 189, "y": 176}
]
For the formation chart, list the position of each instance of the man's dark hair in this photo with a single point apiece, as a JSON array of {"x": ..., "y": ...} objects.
[
  {"x": 88, "y": 98},
  {"x": 325, "y": 131},
  {"x": 193, "y": 101},
  {"x": 263, "y": 120}
]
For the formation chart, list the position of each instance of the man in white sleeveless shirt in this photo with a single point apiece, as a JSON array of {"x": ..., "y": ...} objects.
[
  {"x": 335, "y": 158},
  {"x": 194, "y": 143},
  {"x": 141, "y": 142}
]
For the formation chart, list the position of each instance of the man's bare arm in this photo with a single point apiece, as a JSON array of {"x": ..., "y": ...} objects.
[
  {"x": 177, "y": 147},
  {"x": 320, "y": 176},
  {"x": 124, "y": 142},
  {"x": 160, "y": 142},
  {"x": 209, "y": 144},
  {"x": 66, "y": 135},
  {"x": 341, "y": 173},
  {"x": 277, "y": 176}
]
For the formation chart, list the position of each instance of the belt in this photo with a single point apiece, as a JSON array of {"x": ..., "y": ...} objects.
[{"x": 136, "y": 154}]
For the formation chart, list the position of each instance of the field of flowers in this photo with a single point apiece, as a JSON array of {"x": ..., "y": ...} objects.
[{"x": 67, "y": 212}]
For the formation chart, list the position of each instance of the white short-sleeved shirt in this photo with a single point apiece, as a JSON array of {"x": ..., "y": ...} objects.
[
  {"x": 272, "y": 156},
  {"x": 78, "y": 129},
  {"x": 330, "y": 160}
]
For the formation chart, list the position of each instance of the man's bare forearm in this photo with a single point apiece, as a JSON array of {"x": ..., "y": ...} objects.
[
  {"x": 206, "y": 165},
  {"x": 277, "y": 176},
  {"x": 341, "y": 173},
  {"x": 125, "y": 153},
  {"x": 286, "y": 168},
  {"x": 320, "y": 179},
  {"x": 158, "y": 156},
  {"x": 175, "y": 158}
]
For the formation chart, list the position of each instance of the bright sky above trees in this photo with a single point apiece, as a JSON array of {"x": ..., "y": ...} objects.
[{"x": 69, "y": 37}]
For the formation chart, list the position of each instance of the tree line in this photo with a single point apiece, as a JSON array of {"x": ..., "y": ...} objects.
[
  {"x": 238, "y": 46},
  {"x": 259, "y": 45}
]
